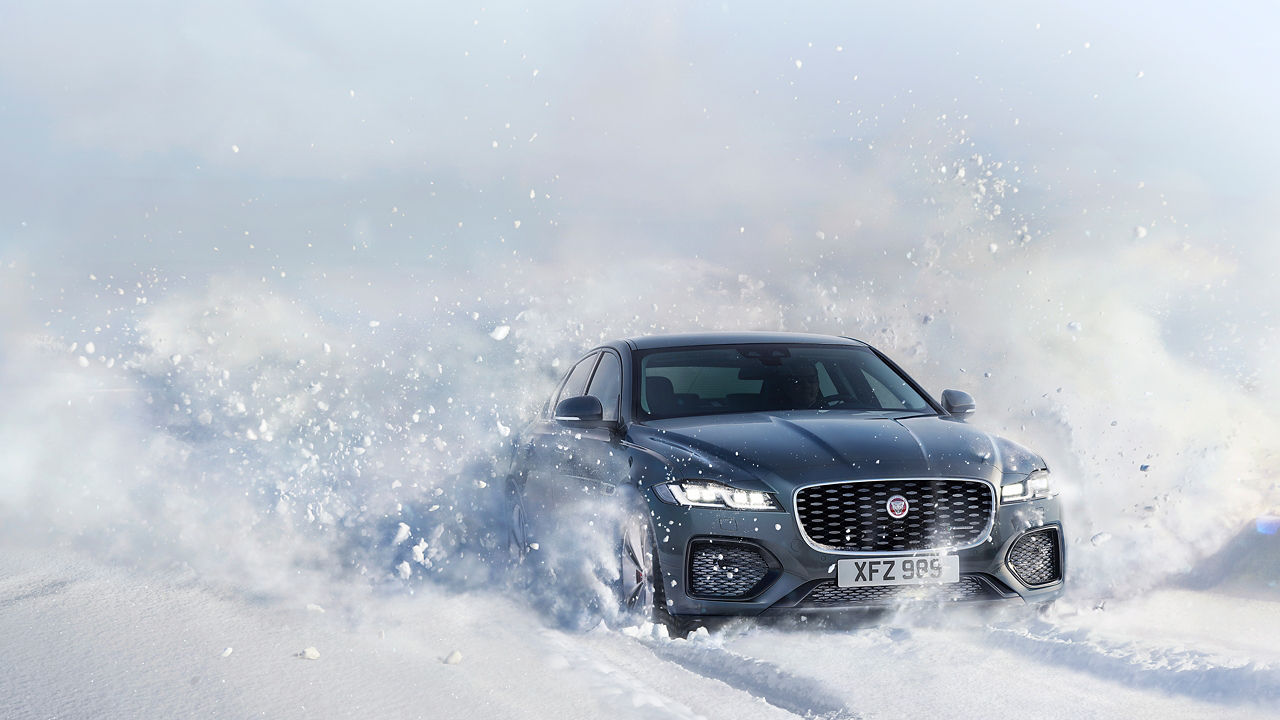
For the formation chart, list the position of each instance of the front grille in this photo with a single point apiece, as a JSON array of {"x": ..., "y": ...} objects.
[
  {"x": 828, "y": 594},
  {"x": 852, "y": 516},
  {"x": 1034, "y": 557},
  {"x": 725, "y": 569}
]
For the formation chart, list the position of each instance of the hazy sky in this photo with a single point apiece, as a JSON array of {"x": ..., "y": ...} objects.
[{"x": 141, "y": 134}]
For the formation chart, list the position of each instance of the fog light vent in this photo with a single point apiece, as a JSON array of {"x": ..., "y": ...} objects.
[
  {"x": 725, "y": 570},
  {"x": 1034, "y": 558}
]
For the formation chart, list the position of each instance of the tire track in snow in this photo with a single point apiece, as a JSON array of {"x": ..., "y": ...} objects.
[
  {"x": 609, "y": 680},
  {"x": 43, "y": 589},
  {"x": 1178, "y": 670},
  {"x": 624, "y": 673},
  {"x": 758, "y": 678}
]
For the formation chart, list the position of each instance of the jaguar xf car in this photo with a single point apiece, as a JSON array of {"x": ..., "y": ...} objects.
[{"x": 773, "y": 473}]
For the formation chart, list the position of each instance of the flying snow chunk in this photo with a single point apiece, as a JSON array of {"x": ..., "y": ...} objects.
[
  {"x": 88, "y": 348},
  {"x": 402, "y": 534},
  {"x": 226, "y": 653},
  {"x": 374, "y": 323},
  {"x": 1138, "y": 232},
  {"x": 310, "y": 654},
  {"x": 404, "y": 570},
  {"x": 175, "y": 358},
  {"x": 500, "y": 332},
  {"x": 83, "y": 361},
  {"x": 454, "y": 658},
  {"x": 1074, "y": 326},
  {"x": 503, "y": 430},
  {"x": 799, "y": 64}
]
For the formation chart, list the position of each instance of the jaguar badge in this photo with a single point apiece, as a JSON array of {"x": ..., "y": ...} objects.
[{"x": 897, "y": 507}]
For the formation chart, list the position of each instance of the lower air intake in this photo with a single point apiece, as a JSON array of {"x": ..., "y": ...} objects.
[
  {"x": 726, "y": 570},
  {"x": 1034, "y": 558},
  {"x": 829, "y": 594}
]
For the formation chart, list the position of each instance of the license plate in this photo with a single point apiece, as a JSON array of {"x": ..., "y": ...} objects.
[{"x": 908, "y": 570}]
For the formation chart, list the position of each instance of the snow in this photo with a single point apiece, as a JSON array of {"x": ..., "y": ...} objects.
[
  {"x": 300, "y": 443},
  {"x": 1171, "y": 653},
  {"x": 379, "y": 500},
  {"x": 402, "y": 533}
]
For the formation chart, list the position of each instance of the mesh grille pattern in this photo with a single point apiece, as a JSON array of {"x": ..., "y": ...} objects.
[
  {"x": 829, "y": 594},
  {"x": 852, "y": 517},
  {"x": 725, "y": 570},
  {"x": 1034, "y": 558}
]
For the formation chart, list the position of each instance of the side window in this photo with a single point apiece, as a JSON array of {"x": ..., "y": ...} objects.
[
  {"x": 606, "y": 386},
  {"x": 576, "y": 384}
]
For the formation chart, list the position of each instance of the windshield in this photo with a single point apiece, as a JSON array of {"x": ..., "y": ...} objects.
[{"x": 680, "y": 382}]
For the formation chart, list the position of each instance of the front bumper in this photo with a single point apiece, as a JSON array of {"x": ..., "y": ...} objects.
[{"x": 802, "y": 579}]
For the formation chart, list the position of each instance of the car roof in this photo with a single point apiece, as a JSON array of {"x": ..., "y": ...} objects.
[{"x": 650, "y": 342}]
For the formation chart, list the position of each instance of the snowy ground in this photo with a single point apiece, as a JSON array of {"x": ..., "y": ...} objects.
[{"x": 84, "y": 639}]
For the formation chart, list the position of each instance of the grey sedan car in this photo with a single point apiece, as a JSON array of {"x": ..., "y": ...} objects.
[{"x": 768, "y": 473}]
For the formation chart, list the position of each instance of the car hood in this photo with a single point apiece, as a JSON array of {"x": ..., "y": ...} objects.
[{"x": 787, "y": 449}]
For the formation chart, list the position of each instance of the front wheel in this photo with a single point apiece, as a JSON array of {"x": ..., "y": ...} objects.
[{"x": 640, "y": 582}]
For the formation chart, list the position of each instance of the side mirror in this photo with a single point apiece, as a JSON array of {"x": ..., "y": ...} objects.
[
  {"x": 582, "y": 411},
  {"x": 958, "y": 403}
]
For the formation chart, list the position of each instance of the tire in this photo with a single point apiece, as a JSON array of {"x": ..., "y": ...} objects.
[
  {"x": 640, "y": 586},
  {"x": 518, "y": 543}
]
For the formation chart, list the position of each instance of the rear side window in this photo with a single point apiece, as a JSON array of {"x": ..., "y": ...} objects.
[
  {"x": 576, "y": 384},
  {"x": 606, "y": 386}
]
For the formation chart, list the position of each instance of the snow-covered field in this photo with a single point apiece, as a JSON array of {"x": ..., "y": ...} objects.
[
  {"x": 280, "y": 284},
  {"x": 85, "y": 640}
]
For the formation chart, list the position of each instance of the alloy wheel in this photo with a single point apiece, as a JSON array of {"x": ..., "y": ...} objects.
[{"x": 637, "y": 565}]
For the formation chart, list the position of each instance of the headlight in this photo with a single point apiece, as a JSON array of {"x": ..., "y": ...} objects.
[
  {"x": 1035, "y": 487},
  {"x": 701, "y": 493}
]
